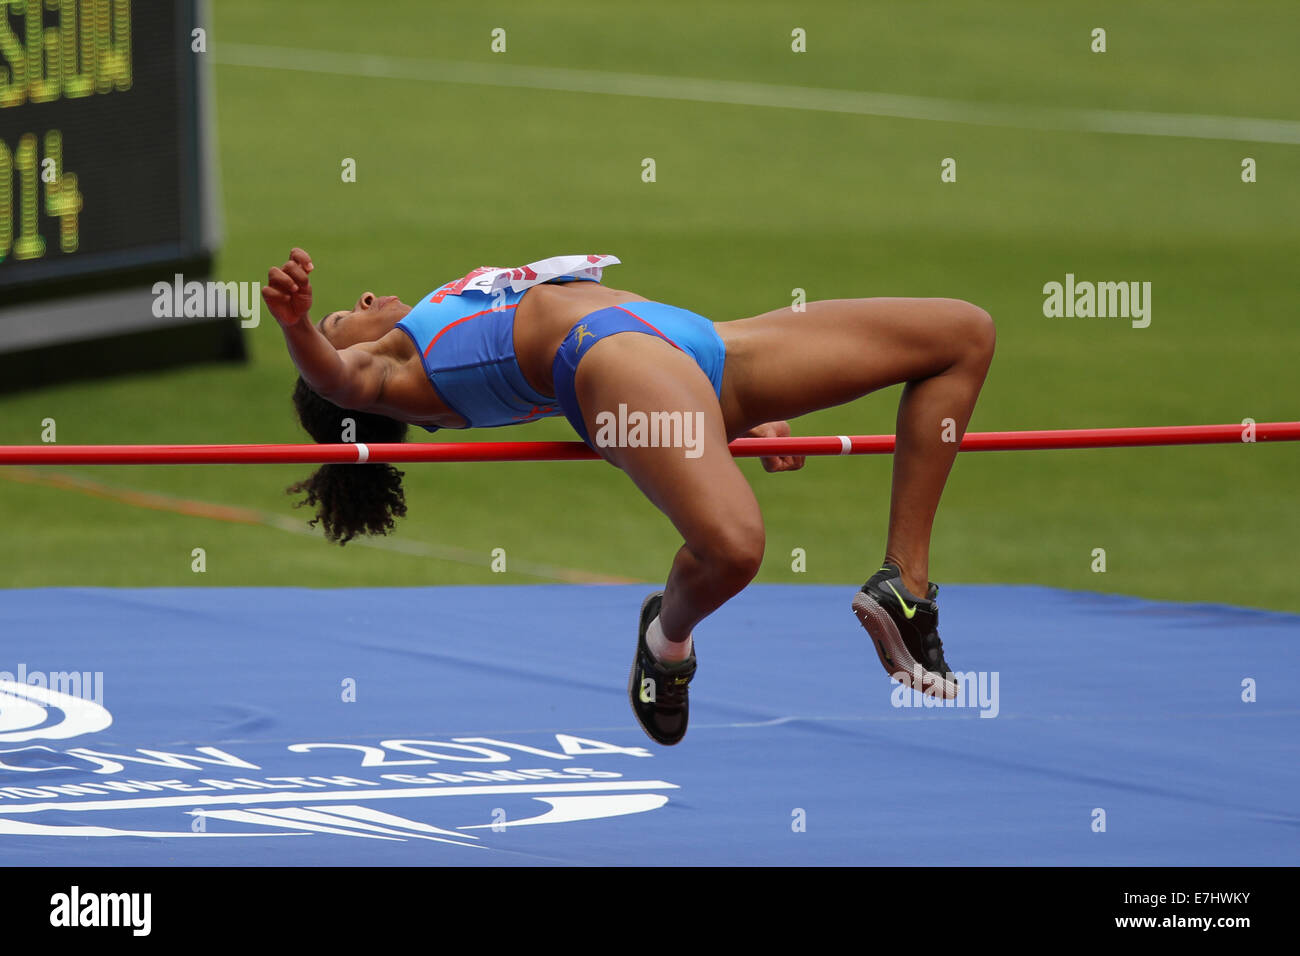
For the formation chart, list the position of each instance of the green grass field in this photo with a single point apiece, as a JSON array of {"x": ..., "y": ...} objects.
[{"x": 455, "y": 175}]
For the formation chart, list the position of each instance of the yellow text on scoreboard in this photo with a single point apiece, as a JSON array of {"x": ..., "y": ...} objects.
[{"x": 68, "y": 48}]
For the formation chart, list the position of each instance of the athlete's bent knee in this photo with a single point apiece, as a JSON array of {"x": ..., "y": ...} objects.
[
  {"x": 733, "y": 553},
  {"x": 973, "y": 327}
]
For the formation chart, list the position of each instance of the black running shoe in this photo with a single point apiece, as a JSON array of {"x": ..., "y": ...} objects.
[
  {"x": 658, "y": 692},
  {"x": 905, "y": 632}
]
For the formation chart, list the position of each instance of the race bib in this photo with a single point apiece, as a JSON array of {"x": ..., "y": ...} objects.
[{"x": 488, "y": 279}]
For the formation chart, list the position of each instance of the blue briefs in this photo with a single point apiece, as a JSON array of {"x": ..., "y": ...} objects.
[{"x": 691, "y": 333}]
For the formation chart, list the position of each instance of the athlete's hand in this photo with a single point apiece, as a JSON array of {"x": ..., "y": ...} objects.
[
  {"x": 287, "y": 292},
  {"x": 776, "y": 462}
]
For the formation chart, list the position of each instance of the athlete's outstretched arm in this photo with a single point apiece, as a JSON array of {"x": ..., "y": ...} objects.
[{"x": 351, "y": 377}]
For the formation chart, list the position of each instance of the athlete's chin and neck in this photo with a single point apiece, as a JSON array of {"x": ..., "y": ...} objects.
[{"x": 369, "y": 320}]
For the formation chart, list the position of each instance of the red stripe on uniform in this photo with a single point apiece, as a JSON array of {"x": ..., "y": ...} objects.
[
  {"x": 648, "y": 325},
  {"x": 446, "y": 328}
]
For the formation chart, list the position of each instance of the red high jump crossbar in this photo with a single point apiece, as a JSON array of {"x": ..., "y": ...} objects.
[{"x": 576, "y": 451}]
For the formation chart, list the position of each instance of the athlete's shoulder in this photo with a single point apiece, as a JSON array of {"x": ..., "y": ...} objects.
[{"x": 443, "y": 306}]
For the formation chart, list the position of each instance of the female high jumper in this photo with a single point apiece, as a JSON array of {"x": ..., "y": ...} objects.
[{"x": 501, "y": 346}]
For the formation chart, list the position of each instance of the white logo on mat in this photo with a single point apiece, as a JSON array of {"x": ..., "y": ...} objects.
[
  {"x": 296, "y": 805},
  {"x": 25, "y": 715}
]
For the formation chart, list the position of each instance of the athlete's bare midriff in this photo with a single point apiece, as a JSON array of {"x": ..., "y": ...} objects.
[{"x": 544, "y": 317}]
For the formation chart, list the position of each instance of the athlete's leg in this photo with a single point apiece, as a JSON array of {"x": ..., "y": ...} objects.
[
  {"x": 707, "y": 498},
  {"x": 784, "y": 364}
]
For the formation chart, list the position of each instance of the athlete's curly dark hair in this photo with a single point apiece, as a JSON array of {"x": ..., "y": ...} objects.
[{"x": 349, "y": 499}]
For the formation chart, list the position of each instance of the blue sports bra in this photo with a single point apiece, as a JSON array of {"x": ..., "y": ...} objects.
[{"x": 466, "y": 341}]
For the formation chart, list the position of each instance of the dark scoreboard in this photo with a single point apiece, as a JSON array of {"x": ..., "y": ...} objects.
[{"x": 103, "y": 160}]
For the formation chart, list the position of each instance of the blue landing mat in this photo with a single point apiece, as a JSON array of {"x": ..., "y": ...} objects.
[{"x": 489, "y": 726}]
